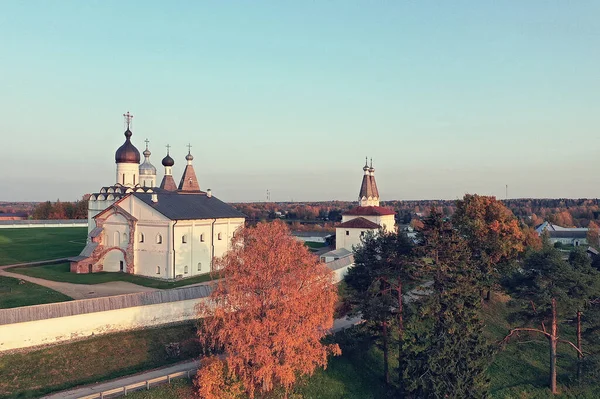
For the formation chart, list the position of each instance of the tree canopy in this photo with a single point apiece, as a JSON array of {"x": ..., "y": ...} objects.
[{"x": 270, "y": 311}]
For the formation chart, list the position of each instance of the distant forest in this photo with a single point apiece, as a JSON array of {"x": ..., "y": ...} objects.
[
  {"x": 323, "y": 215},
  {"x": 563, "y": 212}
]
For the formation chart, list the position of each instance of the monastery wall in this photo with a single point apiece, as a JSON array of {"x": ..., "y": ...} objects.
[{"x": 53, "y": 323}]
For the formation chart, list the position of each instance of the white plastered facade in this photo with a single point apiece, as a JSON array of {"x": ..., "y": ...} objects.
[{"x": 165, "y": 248}]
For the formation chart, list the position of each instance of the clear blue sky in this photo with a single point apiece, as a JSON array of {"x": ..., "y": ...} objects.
[{"x": 448, "y": 97}]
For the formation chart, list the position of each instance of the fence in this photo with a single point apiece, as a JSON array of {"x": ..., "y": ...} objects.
[{"x": 147, "y": 384}]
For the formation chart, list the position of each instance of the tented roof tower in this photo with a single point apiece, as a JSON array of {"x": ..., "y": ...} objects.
[{"x": 368, "y": 195}]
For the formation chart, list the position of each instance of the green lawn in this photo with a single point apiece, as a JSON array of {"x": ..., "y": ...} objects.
[
  {"x": 13, "y": 294},
  {"x": 28, "y": 245},
  {"x": 61, "y": 272},
  {"x": 521, "y": 369},
  {"x": 354, "y": 375},
  {"x": 35, "y": 373}
]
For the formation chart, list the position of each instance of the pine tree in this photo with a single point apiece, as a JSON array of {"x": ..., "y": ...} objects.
[
  {"x": 446, "y": 352},
  {"x": 384, "y": 263},
  {"x": 552, "y": 287}
]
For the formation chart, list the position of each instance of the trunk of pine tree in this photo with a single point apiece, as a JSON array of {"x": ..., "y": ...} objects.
[
  {"x": 400, "y": 341},
  {"x": 579, "y": 354},
  {"x": 386, "y": 373},
  {"x": 553, "y": 344}
]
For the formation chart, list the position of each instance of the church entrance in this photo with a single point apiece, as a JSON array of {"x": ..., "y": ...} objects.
[{"x": 114, "y": 261}]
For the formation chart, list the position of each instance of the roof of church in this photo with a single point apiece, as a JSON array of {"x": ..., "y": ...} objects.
[
  {"x": 186, "y": 206},
  {"x": 370, "y": 211},
  {"x": 127, "y": 153},
  {"x": 189, "y": 182},
  {"x": 168, "y": 183},
  {"x": 359, "y": 223}
]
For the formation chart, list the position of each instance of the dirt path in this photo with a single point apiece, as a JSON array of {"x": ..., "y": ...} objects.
[{"x": 79, "y": 291}]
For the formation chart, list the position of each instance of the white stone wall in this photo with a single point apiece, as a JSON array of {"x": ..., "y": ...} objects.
[
  {"x": 94, "y": 208},
  {"x": 348, "y": 238},
  {"x": 60, "y": 329},
  {"x": 194, "y": 256}
]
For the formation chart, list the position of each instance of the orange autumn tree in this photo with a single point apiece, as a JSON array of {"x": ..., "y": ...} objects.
[
  {"x": 270, "y": 311},
  {"x": 492, "y": 232}
]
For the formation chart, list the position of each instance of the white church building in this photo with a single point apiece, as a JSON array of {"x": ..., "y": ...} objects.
[
  {"x": 367, "y": 216},
  {"x": 167, "y": 231}
]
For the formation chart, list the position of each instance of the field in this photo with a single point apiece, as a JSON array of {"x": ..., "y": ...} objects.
[
  {"x": 28, "y": 245},
  {"x": 61, "y": 272},
  {"x": 13, "y": 294},
  {"x": 35, "y": 373}
]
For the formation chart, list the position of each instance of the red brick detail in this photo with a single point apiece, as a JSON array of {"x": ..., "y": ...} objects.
[{"x": 95, "y": 259}]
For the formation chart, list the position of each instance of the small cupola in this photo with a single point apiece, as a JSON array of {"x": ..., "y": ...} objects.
[{"x": 127, "y": 153}]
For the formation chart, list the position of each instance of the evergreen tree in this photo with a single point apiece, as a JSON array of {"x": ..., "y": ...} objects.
[
  {"x": 446, "y": 352},
  {"x": 384, "y": 263},
  {"x": 551, "y": 287}
]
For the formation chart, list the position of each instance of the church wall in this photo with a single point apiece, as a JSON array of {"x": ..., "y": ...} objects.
[
  {"x": 148, "y": 180},
  {"x": 196, "y": 254},
  {"x": 116, "y": 232},
  {"x": 94, "y": 208},
  {"x": 128, "y": 174},
  {"x": 348, "y": 241},
  {"x": 152, "y": 254}
]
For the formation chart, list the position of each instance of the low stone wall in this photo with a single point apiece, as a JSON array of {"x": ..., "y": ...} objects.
[
  {"x": 52, "y": 323},
  {"x": 37, "y": 325},
  {"x": 27, "y": 224}
]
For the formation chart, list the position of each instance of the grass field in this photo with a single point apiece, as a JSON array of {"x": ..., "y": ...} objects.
[
  {"x": 61, "y": 272},
  {"x": 354, "y": 375},
  {"x": 521, "y": 369},
  {"x": 28, "y": 245},
  {"x": 13, "y": 294},
  {"x": 32, "y": 374}
]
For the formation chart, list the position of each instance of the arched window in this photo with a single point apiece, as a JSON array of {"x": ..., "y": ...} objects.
[
  {"x": 134, "y": 180},
  {"x": 185, "y": 270},
  {"x": 141, "y": 237},
  {"x": 157, "y": 269},
  {"x": 219, "y": 236},
  {"x": 202, "y": 237},
  {"x": 184, "y": 239},
  {"x": 158, "y": 239},
  {"x": 123, "y": 178},
  {"x": 199, "y": 266}
]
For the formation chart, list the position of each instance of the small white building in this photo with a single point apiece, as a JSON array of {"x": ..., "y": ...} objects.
[
  {"x": 164, "y": 232},
  {"x": 574, "y": 236},
  {"x": 356, "y": 222}
]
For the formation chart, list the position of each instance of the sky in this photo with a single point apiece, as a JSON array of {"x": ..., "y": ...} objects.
[{"x": 447, "y": 97}]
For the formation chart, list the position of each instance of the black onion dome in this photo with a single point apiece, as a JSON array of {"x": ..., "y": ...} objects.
[
  {"x": 168, "y": 161},
  {"x": 127, "y": 153}
]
